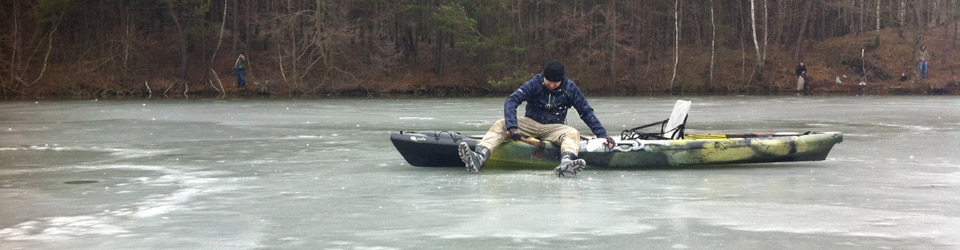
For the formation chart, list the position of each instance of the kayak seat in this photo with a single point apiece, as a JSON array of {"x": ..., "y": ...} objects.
[{"x": 670, "y": 129}]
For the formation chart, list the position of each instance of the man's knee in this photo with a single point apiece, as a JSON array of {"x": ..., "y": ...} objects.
[
  {"x": 500, "y": 125},
  {"x": 570, "y": 132}
]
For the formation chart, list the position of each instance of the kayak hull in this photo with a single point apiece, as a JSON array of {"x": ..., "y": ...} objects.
[{"x": 439, "y": 149}]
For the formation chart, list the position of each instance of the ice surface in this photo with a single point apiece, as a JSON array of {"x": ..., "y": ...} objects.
[{"x": 322, "y": 174}]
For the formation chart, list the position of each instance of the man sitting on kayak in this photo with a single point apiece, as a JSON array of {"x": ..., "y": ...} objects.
[{"x": 548, "y": 97}]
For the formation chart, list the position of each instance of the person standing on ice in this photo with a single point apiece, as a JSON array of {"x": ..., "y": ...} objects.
[
  {"x": 924, "y": 58},
  {"x": 241, "y": 66},
  {"x": 548, "y": 95},
  {"x": 802, "y": 80}
]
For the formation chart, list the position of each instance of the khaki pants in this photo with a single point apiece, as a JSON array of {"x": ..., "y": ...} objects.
[
  {"x": 800, "y": 83},
  {"x": 568, "y": 137}
]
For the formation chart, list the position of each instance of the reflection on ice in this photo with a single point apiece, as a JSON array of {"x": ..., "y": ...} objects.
[
  {"x": 822, "y": 219},
  {"x": 189, "y": 184},
  {"x": 122, "y": 152},
  {"x": 526, "y": 221},
  {"x": 62, "y": 228},
  {"x": 415, "y": 118}
]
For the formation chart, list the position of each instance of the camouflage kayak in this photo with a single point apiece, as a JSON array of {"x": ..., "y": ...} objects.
[{"x": 439, "y": 149}]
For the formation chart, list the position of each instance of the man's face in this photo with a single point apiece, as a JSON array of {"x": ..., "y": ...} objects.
[
  {"x": 241, "y": 56},
  {"x": 550, "y": 84}
]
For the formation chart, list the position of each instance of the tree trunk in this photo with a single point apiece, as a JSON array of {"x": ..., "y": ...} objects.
[
  {"x": 781, "y": 22},
  {"x": 612, "y": 19},
  {"x": 863, "y": 10},
  {"x": 956, "y": 22},
  {"x": 713, "y": 45},
  {"x": 213, "y": 58},
  {"x": 743, "y": 46},
  {"x": 918, "y": 7},
  {"x": 223, "y": 23},
  {"x": 877, "y": 43},
  {"x": 439, "y": 45},
  {"x": 676, "y": 52},
  {"x": 766, "y": 36},
  {"x": 124, "y": 16},
  {"x": 247, "y": 22},
  {"x": 853, "y": 17},
  {"x": 183, "y": 39},
  {"x": 803, "y": 30},
  {"x": 863, "y": 65},
  {"x": 235, "y": 27},
  {"x": 753, "y": 27},
  {"x": 294, "y": 49},
  {"x": 903, "y": 18},
  {"x": 878, "y": 17},
  {"x": 903, "y": 12},
  {"x": 16, "y": 43},
  {"x": 46, "y": 57}
]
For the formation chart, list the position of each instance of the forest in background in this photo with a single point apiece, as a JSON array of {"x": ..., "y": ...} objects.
[{"x": 471, "y": 47}]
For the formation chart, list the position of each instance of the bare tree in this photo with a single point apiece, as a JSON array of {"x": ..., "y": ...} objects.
[
  {"x": 713, "y": 44},
  {"x": 26, "y": 43},
  {"x": 213, "y": 58},
  {"x": 756, "y": 44},
  {"x": 612, "y": 19},
  {"x": 903, "y": 18},
  {"x": 235, "y": 27},
  {"x": 676, "y": 51},
  {"x": 172, "y": 11},
  {"x": 918, "y": 34},
  {"x": 803, "y": 29},
  {"x": 766, "y": 35},
  {"x": 223, "y": 24},
  {"x": 878, "y": 24},
  {"x": 313, "y": 33}
]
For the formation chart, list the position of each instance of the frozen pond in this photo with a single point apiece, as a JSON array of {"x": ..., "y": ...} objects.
[{"x": 322, "y": 174}]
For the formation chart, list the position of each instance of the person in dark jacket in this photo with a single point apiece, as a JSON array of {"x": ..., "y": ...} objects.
[
  {"x": 802, "y": 76},
  {"x": 548, "y": 95}
]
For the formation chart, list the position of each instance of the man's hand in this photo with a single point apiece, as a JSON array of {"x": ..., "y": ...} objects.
[
  {"x": 515, "y": 134},
  {"x": 610, "y": 142}
]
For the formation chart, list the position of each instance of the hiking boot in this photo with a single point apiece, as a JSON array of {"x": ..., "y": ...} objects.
[
  {"x": 569, "y": 165},
  {"x": 473, "y": 160}
]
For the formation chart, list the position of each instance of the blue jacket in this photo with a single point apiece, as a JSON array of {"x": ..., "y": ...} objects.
[{"x": 550, "y": 107}]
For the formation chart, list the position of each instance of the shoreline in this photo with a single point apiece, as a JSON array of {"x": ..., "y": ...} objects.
[{"x": 454, "y": 92}]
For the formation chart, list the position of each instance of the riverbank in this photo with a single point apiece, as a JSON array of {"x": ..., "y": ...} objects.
[{"x": 827, "y": 61}]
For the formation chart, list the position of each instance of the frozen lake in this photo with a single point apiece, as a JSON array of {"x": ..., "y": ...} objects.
[{"x": 322, "y": 174}]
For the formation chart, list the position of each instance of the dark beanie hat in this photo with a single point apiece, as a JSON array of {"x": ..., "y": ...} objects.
[{"x": 554, "y": 71}]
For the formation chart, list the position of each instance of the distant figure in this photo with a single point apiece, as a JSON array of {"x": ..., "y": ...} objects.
[
  {"x": 839, "y": 81},
  {"x": 924, "y": 57},
  {"x": 241, "y": 67},
  {"x": 802, "y": 76},
  {"x": 903, "y": 77}
]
